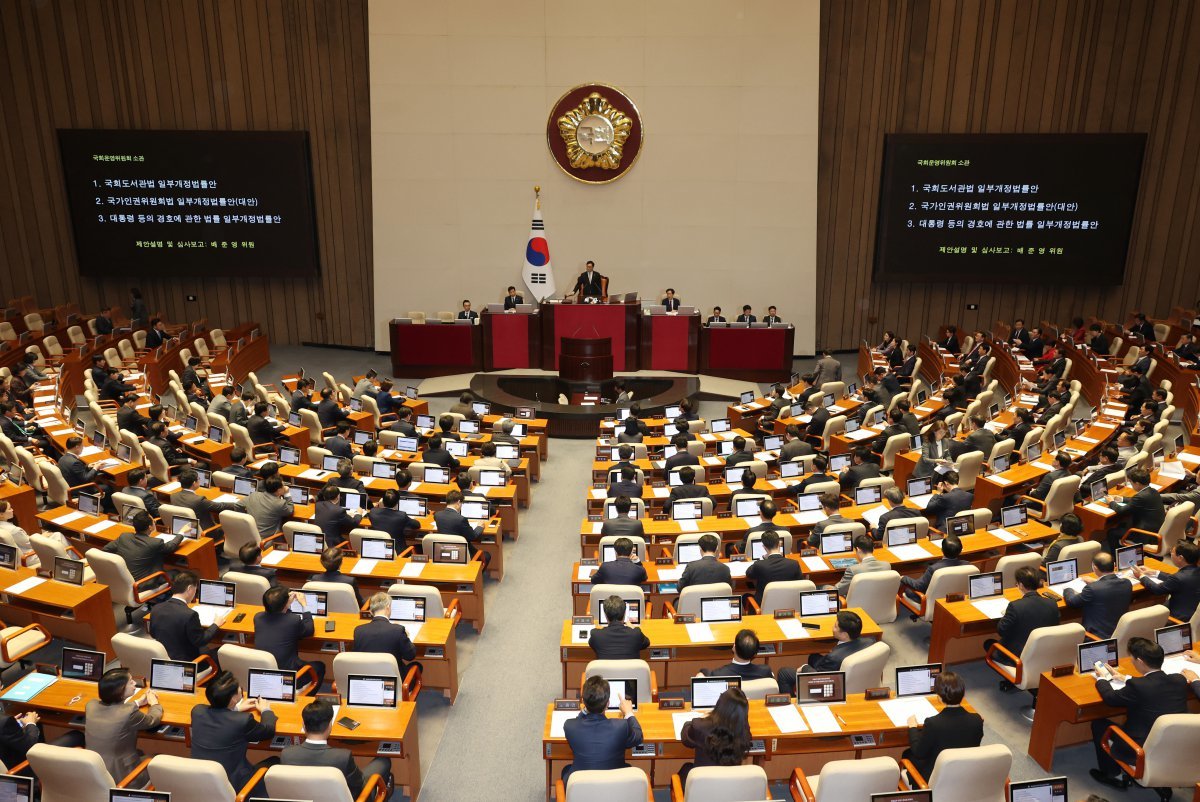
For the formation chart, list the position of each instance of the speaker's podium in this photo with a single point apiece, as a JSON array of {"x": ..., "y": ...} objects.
[
  {"x": 586, "y": 359},
  {"x": 574, "y": 333}
]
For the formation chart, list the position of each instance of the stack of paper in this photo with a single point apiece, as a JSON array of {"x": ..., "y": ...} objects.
[
  {"x": 169, "y": 487},
  {"x": 1005, "y": 535},
  {"x": 274, "y": 557},
  {"x": 313, "y": 473},
  {"x": 585, "y": 572},
  {"x": 898, "y": 710},
  {"x": 1172, "y": 470},
  {"x": 992, "y": 608},
  {"x": 910, "y": 551},
  {"x": 814, "y": 564},
  {"x": 738, "y": 569},
  {"x": 699, "y": 633},
  {"x": 412, "y": 628},
  {"x": 364, "y": 566},
  {"x": 809, "y": 518},
  {"x": 558, "y": 719},
  {"x": 873, "y": 515},
  {"x": 1000, "y": 480},
  {"x": 1102, "y": 509},
  {"x": 226, "y": 498},
  {"x": 689, "y": 526},
  {"x": 791, "y": 628},
  {"x": 412, "y": 570},
  {"x": 788, "y": 719},
  {"x": 821, "y": 719},
  {"x": 1177, "y": 664},
  {"x": 669, "y": 574},
  {"x": 63, "y": 520},
  {"x": 1075, "y": 584},
  {"x": 97, "y": 528}
]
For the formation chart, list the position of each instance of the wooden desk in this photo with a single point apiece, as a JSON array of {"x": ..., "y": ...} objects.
[
  {"x": 748, "y": 354},
  {"x": 675, "y": 658},
  {"x": 660, "y": 584},
  {"x": 377, "y": 726},
  {"x": 24, "y": 504},
  {"x": 79, "y": 613}
]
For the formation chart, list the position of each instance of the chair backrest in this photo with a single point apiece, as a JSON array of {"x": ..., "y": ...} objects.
[
  {"x": 32, "y": 468},
  {"x": 1048, "y": 647},
  {"x": 853, "y": 529},
  {"x": 875, "y": 592},
  {"x": 1139, "y": 623},
  {"x": 136, "y": 455},
  {"x": 1171, "y": 749},
  {"x": 973, "y": 774},
  {"x": 111, "y": 570},
  {"x": 432, "y": 595},
  {"x": 1083, "y": 552},
  {"x": 1061, "y": 498},
  {"x": 76, "y": 336},
  {"x": 759, "y": 688},
  {"x": 46, "y": 548},
  {"x": 894, "y": 445},
  {"x": 56, "y": 486},
  {"x": 70, "y": 775},
  {"x": 724, "y": 783},
  {"x": 307, "y": 782},
  {"x": 247, "y": 588},
  {"x": 190, "y": 779},
  {"x": 316, "y": 455},
  {"x": 784, "y": 595},
  {"x": 968, "y": 465},
  {"x": 857, "y": 779},
  {"x": 1174, "y": 528},
  {"x": 428, "y": 540},
  {"x": 639, "y": 544},
  {"x": 136, "y": 653},
  {"x": 160, "y": 469},
  {"x": 239, "y": 529},
  {"x": 629, "y": 784},
  {"x": 623, "y": 669},
  {"x": 689, "y": 599},
  {"x": 629, "y": 593},
  {"x": 377, "y": 663},
  {"x": 834, "y": 426},
  {"x": 785, "y": 540},
  {"x": 240, "y": 659},
  {"x": 824, "y": 487},
  {"x": 947, "y": 580},
  {"x": 922, "y": 525},
  {"x": 1009, "y": 564},
  {"x": 341, "y": 596},
  {"x": 864, "y": 668},
  {"x": 310, "y": 421}
]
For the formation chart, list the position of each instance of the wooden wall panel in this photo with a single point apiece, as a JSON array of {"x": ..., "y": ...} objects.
[
  {"x": 997, "y": 66},
  {"x": 191, "y": 64}
]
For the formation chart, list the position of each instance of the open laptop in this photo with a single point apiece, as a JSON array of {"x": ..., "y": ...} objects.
[
  {"x": 690, "y": 510},
  {"x": 352, "y": 500},
  {"x": 83, "y": 664},
  {"x": 790, "y": 470},
  {"x": 1127, "y": 557},
  {"x": 747, "y": 507},
  {"x": 721, "y": 608},
  {"x": 457, "y": 448},
  {"x": 1051, "y": 789},
  {"x": 68, "y": 570},
  {"x": 453, "y": 553},
  {"x": 982, "y": 586},
  {"x": 298, "y": 494},
  {"x": 491, "y": 478},
  {"x": 20, "y": 789},
  {"x": 244, "y": 485},
  {"x": 772, "y": 442},
  {"x": 413, "y": 506},
  {"x": 733, "y": 476},
  {"x": 917, "y": 680},
  {"x": 213, "y": 598},
  {"x": 920, "y": 490},
  {"x": 308, "y": 542},
  {"x": 476, "y": 510},
  {"x": 89, "y": 503},
  {"x": 836, "y": 542},
  {"x": 377, "y": 548},
  {"x": 8, "y": 556},
  {"x": 272, "y": 684},
  {"x": 820, "y": 687},
  {"x": 1174, "y": 639},
  {"x": 839, "y": 462},
  {"x": 1016, "y": 515},
  {"x": 707, "y": 690},
  {"x": 409, "y": 445},
  {"x": 329, "y": 462},
  {"x": 621, "y": 688},
  {"x": 819, "y": 602},
  {"x": 436, "y": 475},
  {"x": 719, "y": 425},
  {"x": 868, "y": 495},
  {"x": 316, "y": 602},
  {"x": 1090, "y": 652},
  {"x": 407, "y": 610},
  {"x": 173, "y": 676},
  {"x": 1001, "y": 463},
  {"x": 371, "y": 690},
  {"x": 687, "y": 552},
  {"x": 1061, "y": 573},
  {"x": 961, "y": 525}
]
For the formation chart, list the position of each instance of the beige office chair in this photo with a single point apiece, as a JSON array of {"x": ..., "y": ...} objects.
[
  {"x": 341, "y": 596},
  {"x": 160, "y": 469},
  {"x": 17, "y": 643},
  {"x": 864, "y": 668},
  {"x": 135, "y": 653},
  {"x": 70, "y": 775},
  {"x": 833, "y": 427},
  {"x": 310, "y": 421},
  {"x": 247, "y": 588},
  {"x": 240, "y": 529},
  {"x": 689, "y": 599},
  {"x": 639, "y": 545},
  {"x": 46, "y": 546},
  {"x": 686, "y": 539},
  {"x": 944, "y": 581},
  {"x": 57, "y": 489},
  {"x": 316, "y": 455},
  {"x": 1009, "y": 564},
  {"x": 371, "y": 663},
  {"x": 1082, "y": 552},
  {"x": 972, "y": 774},
  {"x": 428, "y": 540},
  {"x": 1167, "y": 759},
  {"x": 922, "y": 525},
  {"x": 1047, "y": 647},
  {"x": 76, "y": 336},
  {"x": 759, "y": 688},
  {"x": 967, "y": 465},
  {"x": 721, "y": 784},
  {"x": 630, "y": 784},
  {"x": 875, "y": 592},
  {"x": 846, "y": 780},
  {"x": 223, "y": 480},
  {"x": 630, "y": 593},
  {"x": 782, "y": 596},
  {"x": 1139, "y": 623},
  {"x": 323, "y": 783},
  {"x": 1058, "y": 502},
  {"x": 1174, "y": 528},
  {"x": 240, "y": 659},
  {"x": 896, "y": 444},
  {"x": 127, "y": 595},
  {"x": 638, "y": 670},
  {"x": 190, "y": 779},
  {"x": 785, "y": 541},
  {"x": 136, "y": 455}
]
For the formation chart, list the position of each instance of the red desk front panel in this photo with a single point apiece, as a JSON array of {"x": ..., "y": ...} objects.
[
  {"x": 753, "y": 354},
  {"x": 617, "y": 321},
  {"x": 420, "y": 350}
]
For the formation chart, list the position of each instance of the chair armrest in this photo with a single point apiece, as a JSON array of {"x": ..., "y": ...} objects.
[
  {"x": 1139, "y": 767},
  {"x": 137, "y": 771},
  {"x": 82, "y": 486},
  {"x": 20, "y": 767},
  {"x": 653, "y": 688},
  {"x": 560, "y": 791},
  {"x": 409, "y": 552},
  {"x": 263, "y": 448},
  {"x": 313, "y": 686},
  {"x": 919, "y": 782},
  {"x": 412, "y": 685},
  {"x": 918, "y": 607},
  {"x": 800, "y": 789},
  {"x": 996, "y": 666},
  {"x": 271, "y": 538},
  {"x": 12, "y": 658},
  {"x": 1089, "y": 636},
  {"x": 213, "y": 668},
  {"x": 454, "y": 611},
  {"x": 1041, "y": 505},
  {"x": 1154, "y": 537},
  {"x": 1173, "y": 620},
  {"x": 668, "y": 610},
  {"x": 137, "y": 593},
  {"x": 254, "y": 780},
  {"x": 375, "y": 790},
  {"x": 676, "y": 789},
  {"x": 753, "y": 606}
]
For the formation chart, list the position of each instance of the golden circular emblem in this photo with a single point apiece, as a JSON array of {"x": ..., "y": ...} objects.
[{"x": 594, "y": 133}]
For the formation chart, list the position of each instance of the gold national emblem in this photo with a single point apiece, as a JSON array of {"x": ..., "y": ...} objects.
[{"x": 595, "y": 132}]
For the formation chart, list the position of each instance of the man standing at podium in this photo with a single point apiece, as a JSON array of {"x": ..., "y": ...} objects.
[
  {"x": 670, "y": 303},
  {"x": 590, "y": 283}
]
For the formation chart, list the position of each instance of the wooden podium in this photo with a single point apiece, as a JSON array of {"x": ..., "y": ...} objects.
[{"x": 586, "y": 359}]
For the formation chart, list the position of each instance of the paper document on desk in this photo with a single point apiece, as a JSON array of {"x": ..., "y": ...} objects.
[
  {"x": 809, "y": 518},
  {"x": 599, "y": 492},
  {"x": 274, "y": 557},
  {"x": 910, "y": 551},
  {"x": 1088, "y": 440},
  {"x": 364, "y": 566},
  {"x": 412, "y": 628},
  {"x": 97, "y": 528},
  {"x": 1076, "y": 585},
  {"x": 1005, "y": 535},
  {"x": 1102, "y": 509},
  {"x": 921, "y": 501},
  {"x": 597, "y": 527},
  {"x": 873, "y": 515},
  {"x": 861, "y": 434},
  {"x": 814, "y": 563},
  {"x": 670, "y": 574},
  {"x": 821, "y": 719},
  {"x": 60, "y": 432},
  {"x": 166, "y": 537},
  {"x": 1190, "y": 459},
  {"x": 679, "y": 719},
  {"x": 752, "y": 521},
  {"x": 412, "y": 570},
  {"x": 661, "y": 492},
  {"x": 584, "y": 572},
  {"x": 1172, "y": 470},
  {"x": 1176, "y": 664},
  {"x": 1104, "y": 425},
  {"x": 63, "y": 520},
  {"x": 712, "y": 460},
  {"x": 28, "y": 584},
  {"x": 169, "y": 487},
  {"x": 992, "y": 608},
  {"x": 368, "y": 481},
  {"x": 699, "y": 633},
  {"x": 227, "y": 498},
  {"x": 689, "y": 526},
  {"x": 778, "y": 484},
  {"x": 708, "y": 438},
  {"x": 1029, "y": 398},
  {"x": 737, "y": 570},
  {"x": 558, "y": 720},
  {"x": 898, "y": 710},
  {"x": 993, "y": 427},
  {"x": 89, "y": 451},
  {"x": 1000, "y": 480},
  {"x": 788, "y": 719},
  {"x": 208, "y": 613},
  {"x": 791, "y": 628},
  {"x": 29, "y": 686}
]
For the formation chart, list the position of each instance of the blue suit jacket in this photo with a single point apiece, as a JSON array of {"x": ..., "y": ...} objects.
[
  {"x": 1103, "y": 601},
  {"x": 599, "y": 742}
]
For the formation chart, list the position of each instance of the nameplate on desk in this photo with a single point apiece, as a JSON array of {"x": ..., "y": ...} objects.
[
  {"x": 808, "y": 552},
  {"x": 685, "y": 618},
  {"x": 664, "y": 560},
  {"x": 566, "y": 704},
  {"x": 877, "y": 693},
  {"x": 1063, "y": 670},
  {"x": 955, "y": 597},
  {"x": 776, "y": 699},
  {"x": 716, "y": 481},
  {"x": 593, "y": 518},
  {"x": 465, "y": 588},
  {"x": 670, "y": 704},
  {"x": 589, "y": 561},
  {"x": 582, "y": 619},
  {"x": 785, "y": 613},
  {"x": 724, "y": 514},
  {"x": 420, "y": 558},
  {"x": 738, "y": 558}
]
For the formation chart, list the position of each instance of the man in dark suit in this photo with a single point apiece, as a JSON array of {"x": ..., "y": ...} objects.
[
  {"x": 706, "y": 570},
  {"x": 177, "y": 626},
  {"x": 774, "y": 567},
  {"x": 334, "y": 519},
  {"x": 382, "y": 636},
  {"x": 1022, "y": 617},
  {"x": 450, "y": 521},
  {"x": 616, "y": 640},
  {"x": 980, "y": 439},
  {"x": 590, "y": 283},
  {"x": 1020, "y": 427},
  {"x": 338, "y": 445},
  {"x": 905, "y": 371},
  {"x": 716, "y": 317},
  {"x": 129, "y": 419},
  {"x": 949, "y": 500},
  {"x": 830, "y": 506},
  {"x": 747, "y": 315},
  {"x": 766, "y": 510},
  {"x": 74, "y": 470},
  {"x": 1019, "y": 336},
  {"x": 142, "y": 552},
  {"x": 861, "y": 467},
  {"x": 895, "y": 426},
  {"x": 1147, "y": 697},
  {"x": 1143, "y": 510},
  {"x": 894, "y": 497},
  {"x": 622, "y": 524},
  {"x": 816, "y": 422},
  {"x": 249, "y": 555},
  {"x": 689, "y": 488},
  {"x": 847, "y": 631},
  {"x": 512, "y": 300},
  {"x": 157, "y": 335},
  {"x": 191, "y": 375},
  {"x": 404, "y": 424},
  {"x": 951, "y": 551},
  {"x": 139, "y": 479},
  {"x": 1104, "y": 599},
  {"x": 1143, "y": 327},
  {"x": 1183, "y": 586},
  {"x": 794, "y": 445},
  {"x": 384, "y": 517},
  {"x": 952, "y": 728},
  {"x": 104, "y": 322},
  {"x": 772, "y": 318},
  {"x": 745, "y": 649},
  {"x": 626, "y": 485},
  {"x": 328, "y": 410},
  {"x": 316, "y": 751},
  {"x": 115, "y": 387},
  {"x": 950, "y": 341},
  {"x": 1063, "y": 461},
  {"x": 740, "y": 454},
  {"x": 466, "y": 313},
  {"x": 436, "y": 454},
  {"x": 670, "y": 302},
  {"x": 302, "y": 396},
  {"x": 279, "y": 631},
  {"x": 261, "y": 430},
  {"x": 598, "y": 742},
  {"x": 681, "y": 456},
  {"x": 818, "y": 476},
  {"x": 331, "y": 561},
  {"x": 237, "y": 465},
  {"x": 205, "y": 508},
  {"x": 223, "y": 729},
  {"x": 623, "y": 570}
]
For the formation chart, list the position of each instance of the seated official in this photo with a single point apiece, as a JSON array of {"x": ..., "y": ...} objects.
[
  {"x": 951, "y": 551},
  {"x": 861, "y": 467},
  {"x": 895, "y": 426},
  {"x": 384, "y": 517},
  {"x": 207, "y": 510},
  {"x": 385, "y": 402},
  {"x": 767, "y": 511},
  {"x": 302, "y": 395},
  {"x": 681, "y": 456},
  {"x": 740, "y": 454},
  {"x": 820, "y": 463},
  {"x": 847, "y": 631},
  {"x": 261, "y": 430},
  {"x": 333, "y": 519},
  {"x": 249, "y": 555},
  {"x": 634, "y": 431},
  {"x": 331, "y": 561},
  {"x": 774, "y": 567},
  {"x": 794, "y": 445},
  {"x": 1070, "y": 530},
  {"x": 1109, "y": 463},
  {"x": 1183, "y": 586},
  {"x": 176, "y": 625},
  {"x": 893, "y": 497},
  {"x": 222, "y": 402},
  {"x": 1147, "y": 697},
  {"x": 623, "y": 394},
  {"x": 513, "y": 300},
  {"x": 720, "y": 738},
  {"x": 707, "y": 569},
  {"x": 450, "y": 521},
  {"x": 979, "y": 439},
  {"x": 1143, "y": 510},
  {"x": 381, "y": 635},
  {"x": 237, "y": 466},
  {"x": 129, "y": 419},
  {"x": 365, "y": 385},
  {"x": 626, "y": 485},
  {"x": 338, "y": 444},
  {"x": 830, "y": 506},
  {"x": 622, "y": 570},
  {"x": 617, "y": 640},
  {"x": 1063, "y": 462},
  {"x": 142, "y": 552},
  {"x": 670, "y": 302},
  {"x": 279, "y": 631},
  {"x": 403, "y": 424},
  {"x": 622, "y": 524},
  {"x": 745, "y": 649},
  {"x": 683, "y": 428},
  {"x": 1023, "y": 616},
  {"x": 1103, "y": 599},
  {"x": 315, "y": 751},
  {"x": 488, "y": 459},
  {"x": 169, "y": 446},
  {"x": 948, "y": 500},
  {"x": 598, "y": 742},
  {"x": 21, "y": 731},
  {"x": 953, "y": 727},
  {"x": 74, "y": 470},
  {"x": 447, "y": 422},
  {"x": 505, "y": 435},
  {"x": 223, "y": 729},
  {"x": 715, "y": 317},
  {"x": 747, "y": 315},
  {"x": 269, "y": 505},
  {"x": 328, "y": 411},
  {"x": 772, "y": 317},
  {"x": 157, "y": 335},
  {"x": 139, "y": 487},
  {"x": 113, "y": 721},
  {"x": 436, "y": 454},
  {"x": 345, "y": 479},
  {"x": 864, "y": 552},
  {"x": 688, "y": 489}
]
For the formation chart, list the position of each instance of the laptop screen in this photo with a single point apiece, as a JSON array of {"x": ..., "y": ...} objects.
[
  {"x": 82, "y": 664},
  {"x": 674, "y": 479},
  {"x": 773, "y": 442},
  {"x": 366, "y": 690},
  {"x": 352, "y": 500},
  {"x": 188, "y": 527},
  {"x": 808, "y": 502},
  {"x": 917, "y": 680},
  {"x": 1001, "y": 463},
  {"x": 177, "y": 676},
  {"x": 820, "y": 687},
  {"x": 204, "y": 478},
  {"x": 407, "y": 608},
  {"x": 525, "y": 412},
  {"x": 619, "y": 689},
  {"x": 721, "y": 608},
  {"x": 920, "y": 487},
  {"x": 450, "y": 553},
  {"x": 788, "y": 470},
  {"x": 839, "y": 462},
  {"x": 476, "y": 510},
  {"x": 360, "y": 437},
  {"x": 1174, "y": 639},
  {"x": 868, "y": 495},
  {"x": 1091, "y": 652},
  {"x": 686, "y": 511},
  {"x": 671, "y": 413},
  {"x": 835, "y": 542},
  {"x": 89, "y": 503},
  {"x": 707, "y": 690},
  {"x": 961, "y": 525},
  {"x": 900, "y": 534},
  {"x": 633, "y": 612},
  {"x": 747, "y": 507},
  {"x": 20, "y": 789},
  {"x": 217, "y": 593},
  {"x": 298, "y": 494},
  {"x": 819, "y": 602},
  {"x": 458, "y": 448},
  {"x": 1015, "y": 515},
  {"x": 1129, "y": 556},
  {"x": 748, "y": 396},
  {"x": 733, "y": 476},
  {"x": 1060, "y": 571},
  {"x": 413, "y": 506},
  {"x": 687, "y": 552},
  {"x": 980, "y": 586},
  {"x": 491, "y": 478},
  {"x": 435, "y": 475},
  {"x": 68, "y": 570},
  {"x": 507, "y": 451},
  {"x": 329, "y": 462},
  {"x": 315, "y": 601},
  {"x": 377, "y": 548},
  {"x": 719, "y": 425},
  {"x": 275, "y": 685},
  {"x": 904, "y": 796},
  {"x": 1052, "y": 789},
  {"x": 8, "y": 556},
  {"x": 1033, "y": 452},
  {"x": 308, "y": 542},
  {"x": 407, "y": 444},
  {"x": 468, "y": 426},
  {"x": 383, "y": 470},
  {"x": 244, "y": 485},
  {"x": 481, "y": 407},
  {"x": 425, "y": 421}
]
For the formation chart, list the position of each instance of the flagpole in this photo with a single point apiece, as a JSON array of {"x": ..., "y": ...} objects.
[{"x": 537, "y": 197}]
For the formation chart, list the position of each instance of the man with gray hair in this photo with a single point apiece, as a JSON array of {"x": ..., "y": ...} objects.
[
  {"x": 894, "y": 497},
  {"x": 382, "y": 636},
  {"x": 505, "y": 435}
]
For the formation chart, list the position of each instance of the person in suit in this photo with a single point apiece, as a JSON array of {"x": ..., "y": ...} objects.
[
  {"x": 745, "y": 649},
  {"x": 828, "y": 369},
  {"x": 338, "y": 445},
  {"x": 21, "y": 731},
  {"x": 980, "y": 439},
  {"x": 1182, "y": 587},
  {"x": 774, "y": 567},
  {"x": 328, "y": 410},
  {"x": 1143, "y": 510},
  {"x": 905, "y": 371},
  {"x": 384, "y": 517},
  {"x": 772, "y": 317},
  {"x": 864, "y": 552},
  {"x": 112, "y": 722},
  {"x": 222, "y": 402},
  {"x": 205, "y": 508},
  {"x": 168, "y": 445},
  {"x": 302, "y": 395},
  {"x": 279, "y": 631},
  {"x": 893, "y": 497},
  {"x": 1143, "y": 327},
  {"x": 129, "y": 419},
  {"x": 157, "y": 335},
  {"x": 381, "y": 635},
  {"x": 261, "y": 430},
  {"x": 683, "y": 427},
  {"x": 625, "y": 486},
  {"x": 715, "y": 317},
  {"x": 223, "y": 729},
  {"x": 1020, "y": 428},
  {"x": 331, "y": 561},
  {"x": 948, "y": 500},
  {"x": 590, "y": 284},
  {"x": 450, "y": 521},
  {"x": 739, "y": 454},
  {"x": 623, "y": 570},
  {"x": 249, "y": 555},
  {"x": 895, "y": 426},
  {"x": 269, "y": 505},
  {"x": 616, "y": 640},
  {"x": 598, "y": 742},
  {"x": 1188, "y": 348},
  {"x": 847, "y": 631},
  {"x": 622, "y": 524},
  {"x": 385, "y": 401},
  {"x": 951, "y": 551},
  {"x": 1057, "y": 401},
  {"x": 104, "y": 322},
  {"x": 1098, "y": 340},
  {"x": 1103, "y": 599},
  {"x": 706, "y": 570},
  {"x": 334, "y": 519},
  {"x": 681, "y": 456},
  {"x": 720, "y": 738},
  {"x": 1022, "y": 617},
  {"x": 192, "y": 375},
  {"x": 1019, "y": 336},
  {"x": 436, "y": 454},
  {"x": 13, "y": 426},
  {"x": 951, "y": 728},
  {"x": 142, "y": 552},
  {"x": 1063, "y": 461},
  {"x": 818, "y": 417},
  {"x": 74, "y": 470},
  {"x": 794, "y": 445},
  {"x": 365, "y": 386},
  {"x": 861, "y": 467},
  {"x": 830, "y": 505},
  {"x": 747, "y": 315},
  {"x": 115, "y": 387},
  {"x": 670, "y": 302},
  {"x": 950, "y": 341},
  {"x": 513, "y": 300},
  {"x": 237, "y": 466},
  {"x": 766, "y": 510},
  {"x": 1146, "y": 697},
  {"x": 820, "y": 463},
  {"x": 1070, "y": 530},
  {"x": 316, "y": 751},
  {"x": 177, "y": 626},
  {"x": 688, "y": 489}
]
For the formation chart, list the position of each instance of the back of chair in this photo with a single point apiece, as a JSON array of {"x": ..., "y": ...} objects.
[
  {"x": 947, "y": 580},
  {"x": 864, "y": 668},
  {"x": 973, "y": 774},
  {"x": 136, "y": 653},
  {"x": 1171, "y": 749},
  {"x": 1011, "y": 563},
  {"x": 376, "y": 663},
  {"x": 341, "y": 597},
  {"x": 310, "y": 421},
  {"x": 875, "y": 592},
  {"x": 968, "y": 466},
  {"x": 623, "y": 669},
  {"x": 111, "y": 570},
  {"x": 239, "y": 529},
  {"x": 247, "y": 588},
  {"x": 428, "y": 540},
  {"x": 1048, "y": 647},
  {"x": 56, "y": 486},
  {"x": 629, "y": 593},
  {"x": 1139, "y": 623},
  {"x": 70, "y": 775},
  {"x": 307, "y": 782},
  {"x": 639, "y": 544},
  {"x": 434, "y": 608},
  {"x": 1083, "y": 552},
  {"x": 629, "y": 784},
  {"x": 784, "y": 595},
  {"x": 160, "y": 469},
  {"x": 1173, "y": 529},
  {"x": 190, "y": 779},
  {"x": 843, "y": 780},
  {"x": 1061, "y": 498},
  {"x": 725, "y": 783},
  {"x": 894, "y": 445},
  {"x": 785, "y": 541},
  {"x": 240, "y": 659},
  {"x": 689, "y": 599}
]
